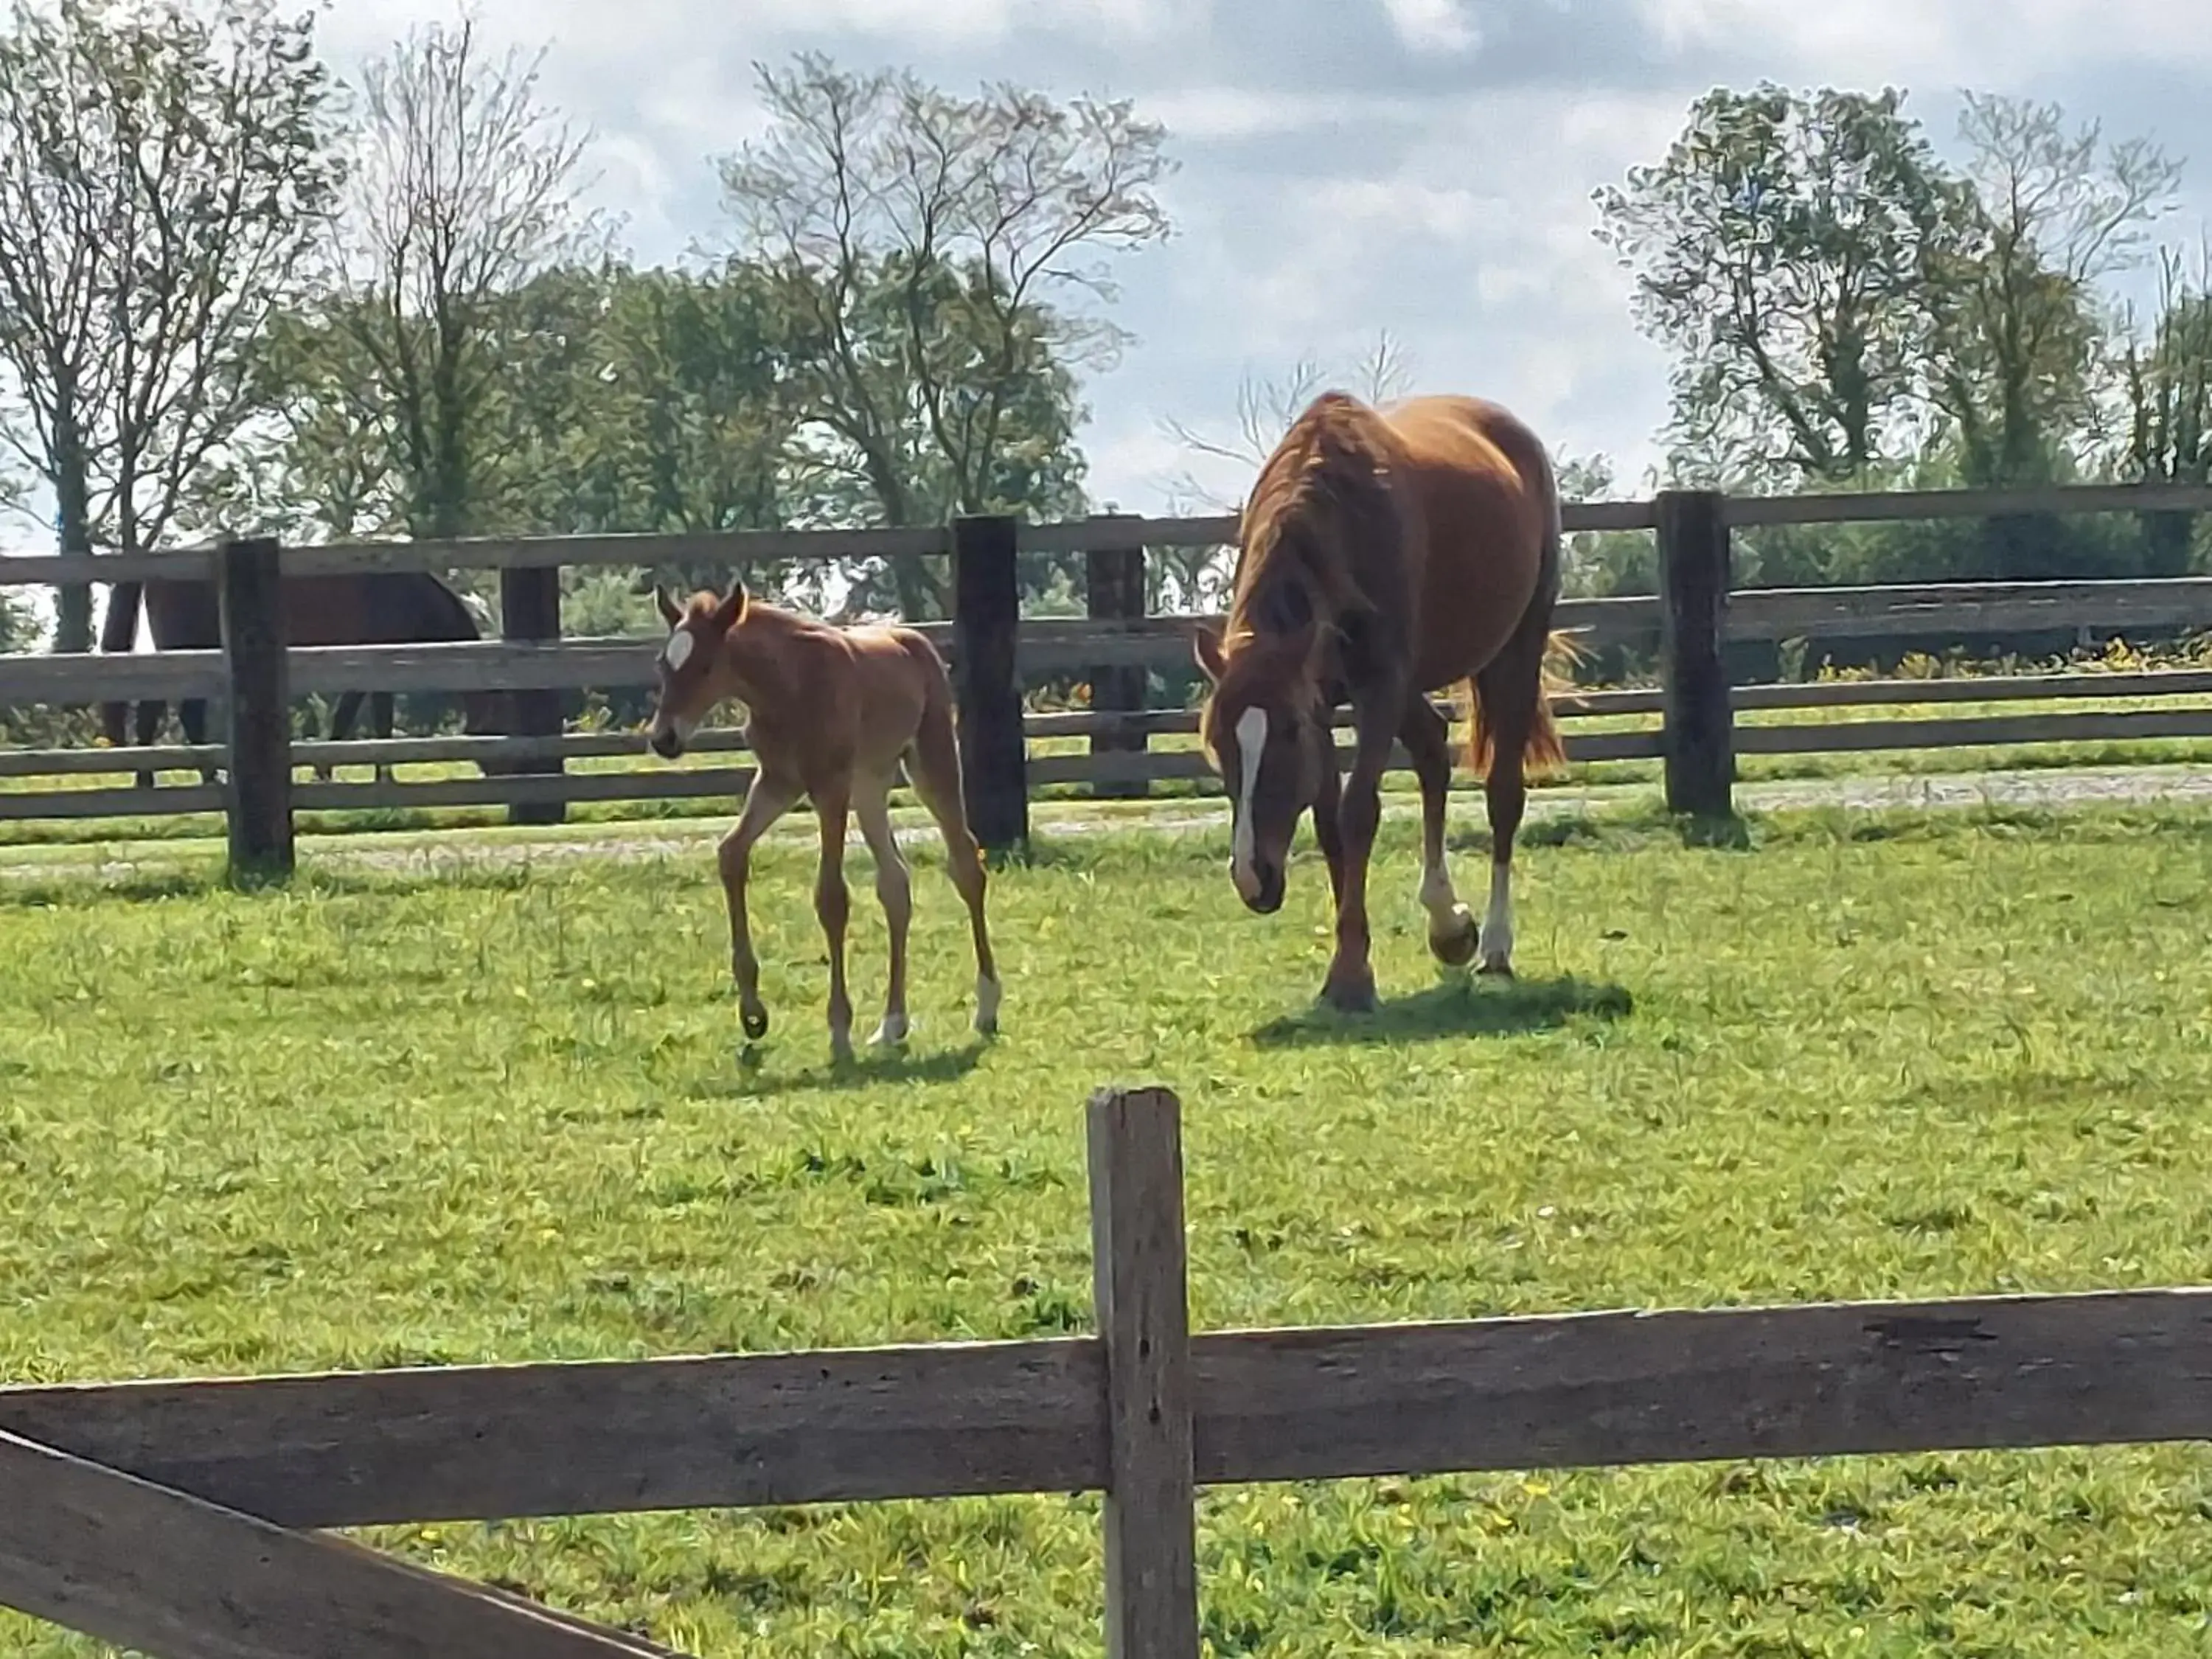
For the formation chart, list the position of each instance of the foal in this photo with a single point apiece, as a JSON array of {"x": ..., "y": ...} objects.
[{"x": 831, "y": 713}]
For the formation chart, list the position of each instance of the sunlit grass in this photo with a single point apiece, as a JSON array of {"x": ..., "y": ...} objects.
[{"x": 381, "y": 1119}]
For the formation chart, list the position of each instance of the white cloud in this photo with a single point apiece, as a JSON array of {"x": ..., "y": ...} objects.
[{"x": 1434, "y": 25}]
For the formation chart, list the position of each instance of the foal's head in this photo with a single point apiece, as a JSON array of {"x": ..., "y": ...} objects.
[
  {"x": 687, "y": 674},
  {"x": 1265, "y": 726}
]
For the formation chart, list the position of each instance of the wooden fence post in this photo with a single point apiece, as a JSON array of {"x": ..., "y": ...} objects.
[
  {"x": 1693, "y": 592},
  {"x": 987, "y": 615},
  {"x": 1114, "y": 584},
  {"x": 258, "y": 784},
  {"x": 529, "y": 611},
  {"x": 1138, "y": 1272}
]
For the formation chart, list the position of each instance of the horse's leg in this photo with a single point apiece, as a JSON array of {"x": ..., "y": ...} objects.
[
  {"x": 1509, "y": 689},
  {"x": 341, "y": 728},
  {"x": 895, "y": 892},
  {"x": 380, "y": 710},
  {"x": 1328, "y": 805},
  {"x": 1427, "y": 736},
  {"x": 933, "y": 768},
  {"x": 148, "y": 724},
  {"x": 192, "y": 715},
  {"x": 833, "y": 907},
  {"x": 1350, "y": 986},
  {"x": 766, "y": 801}
]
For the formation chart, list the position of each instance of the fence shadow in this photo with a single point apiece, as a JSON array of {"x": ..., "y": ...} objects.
[{"x": 1518, "y": 1007}]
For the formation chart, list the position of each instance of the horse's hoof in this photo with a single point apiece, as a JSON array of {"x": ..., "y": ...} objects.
[
  {"x": 840, "y": 1048},
  {"x": 1456, "y": 949},
  {"x": 892, "y": 1034},
  {"x": 1358, "y": 998},
  {"x": 755, "y": 1023},
  {"x": 1496, "y": 970}
]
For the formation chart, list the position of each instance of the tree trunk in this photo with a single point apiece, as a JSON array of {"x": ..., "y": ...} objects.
[{"x": 73, "y": 496}]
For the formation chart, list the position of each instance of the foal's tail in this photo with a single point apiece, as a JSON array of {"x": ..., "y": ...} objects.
[{"x": 1543, "y": 752}]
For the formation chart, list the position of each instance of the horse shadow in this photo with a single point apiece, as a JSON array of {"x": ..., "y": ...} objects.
[
  {"x": 1463, "y": 1008},
  {"x": 748, "y": 1080}
]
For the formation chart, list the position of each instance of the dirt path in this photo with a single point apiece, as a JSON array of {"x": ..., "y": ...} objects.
[{"x": 430, "y": 854}]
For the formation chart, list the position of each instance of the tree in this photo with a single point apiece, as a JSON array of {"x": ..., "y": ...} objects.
[
  {"x": 1782, "y": 249},
  {"x": 1197, "y": 579},
  {"x": 943, "y": 257},
  {"x": 463, "y": 191},
  {"x": 2020, "y": 322},
  {"x": 165, "y": 174},
  {"x": 2168, "y": 381}
]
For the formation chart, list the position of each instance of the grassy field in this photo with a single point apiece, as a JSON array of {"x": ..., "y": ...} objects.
[{"x": 385, "y": 1120}]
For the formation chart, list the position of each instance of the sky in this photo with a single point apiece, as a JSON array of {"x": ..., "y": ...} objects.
[{"x": 1346, "y": 166}]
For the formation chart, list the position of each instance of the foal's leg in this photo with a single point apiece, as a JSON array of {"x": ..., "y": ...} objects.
[
  {"x": 766, "y": 801},
  {"x": 1350, "y": 986},
  {"x": 149, "y": 726},
  {"x": 1427, "y": 737},
  {"x": 933, "y": 768},
  {"x": 895, "y": 891},
  {"x": 833, "y": 907}
]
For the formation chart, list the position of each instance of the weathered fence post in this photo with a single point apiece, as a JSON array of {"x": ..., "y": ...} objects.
[
  {"x": 258, "y": 786},
  {"x": 1693, "y": 591},
  {"x": 529, "y": 611},
  {"x": 1143, "y": 1314},
  {"x": 1114, "y": 591},
  {"x": 986, "y": 615}
]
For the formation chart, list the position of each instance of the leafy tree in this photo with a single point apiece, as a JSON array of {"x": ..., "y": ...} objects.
[
  {"x": 463, "y": 192},
  {"x": 2168, "y": 388},
  {"x": 166, "y": 175},
  {"x": 1782, "y": 249},
  {"x": 942, "y": 257}
]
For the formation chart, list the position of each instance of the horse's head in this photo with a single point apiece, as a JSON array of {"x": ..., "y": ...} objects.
[
  {"x": 688, "y": 678},
  {"x": 1265, "y": 726}
]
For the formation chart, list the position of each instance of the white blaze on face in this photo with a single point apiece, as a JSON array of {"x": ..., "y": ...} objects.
[
  {"x": 1251, "y": 744},
  {"x": 680, "y": 646}
]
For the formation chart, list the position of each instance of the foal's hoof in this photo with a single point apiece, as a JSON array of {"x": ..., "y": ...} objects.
[
  {"x": 1455, "y": 946},
  {"x": 756, "y": 1022},
  {"x": 892, "y": 1034},
  {"x": 1498, "y": 970}
]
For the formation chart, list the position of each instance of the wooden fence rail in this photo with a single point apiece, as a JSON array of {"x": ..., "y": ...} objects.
[
  {"x": 167, "y": 1515},
  {"x": 994, "y": 652}
]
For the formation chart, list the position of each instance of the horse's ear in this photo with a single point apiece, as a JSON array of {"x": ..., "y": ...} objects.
[
  {"x": 732, "y": 610},
  {"x": 1206, "y": 651},
  {"x": 671, "y": 612}
]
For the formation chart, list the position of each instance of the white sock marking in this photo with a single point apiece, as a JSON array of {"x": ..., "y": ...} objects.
[
  {"x": 1251, "y": 744},
  {"x": 1498, "y": 920},
  {"x": 988, "y": 991}
]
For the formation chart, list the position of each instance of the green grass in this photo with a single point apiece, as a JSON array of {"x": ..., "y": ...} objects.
[{"x": 382, "y": 1119}]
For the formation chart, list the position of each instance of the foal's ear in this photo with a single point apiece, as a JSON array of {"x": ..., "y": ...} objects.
[
  {"x": 1205, "y": 650},
  {"x": 671, "y": 612},
  {"x": 732, "y": 610}
]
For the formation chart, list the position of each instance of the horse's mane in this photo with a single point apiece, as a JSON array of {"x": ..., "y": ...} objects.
[{"x": 1329, "y": 470}]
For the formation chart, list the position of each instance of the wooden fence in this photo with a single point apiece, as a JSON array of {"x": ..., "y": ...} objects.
[
  {"x": 1696, "y": 615},
  {"x": 183, "y": 1519}
]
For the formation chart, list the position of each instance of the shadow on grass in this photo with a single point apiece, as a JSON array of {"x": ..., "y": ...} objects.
[
  {"x": 747, "y": 1078},
  {"x": 1513, "y": 1008}
]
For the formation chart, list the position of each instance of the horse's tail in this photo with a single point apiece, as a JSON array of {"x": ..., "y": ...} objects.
[{"x": 1543, "y": 750}]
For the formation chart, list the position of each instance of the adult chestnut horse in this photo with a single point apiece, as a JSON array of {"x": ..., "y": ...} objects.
[
  {"x": 832, "y": 714},
  {"x": 1384, "y": 555}
]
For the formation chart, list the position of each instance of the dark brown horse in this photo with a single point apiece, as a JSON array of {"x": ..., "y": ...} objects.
[
  {"x": 1383, "y": 556},
  {"x": 403, "y": 607}
]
